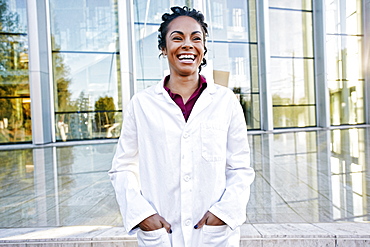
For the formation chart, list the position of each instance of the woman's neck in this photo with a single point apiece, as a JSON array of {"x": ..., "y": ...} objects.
[{"x": 183, "y": 85}]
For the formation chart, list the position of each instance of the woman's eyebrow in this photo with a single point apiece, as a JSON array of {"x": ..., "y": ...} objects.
[{"x": 179, "y": 32}]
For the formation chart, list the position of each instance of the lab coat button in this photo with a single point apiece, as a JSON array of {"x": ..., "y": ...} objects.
[
  {"x": 187, "y": 178},
  {"x": 188, "y": 222},
  {"x": 186, "y": 135}
]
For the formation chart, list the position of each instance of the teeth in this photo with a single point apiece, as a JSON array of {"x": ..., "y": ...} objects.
[{"x": 187, "y": 57}]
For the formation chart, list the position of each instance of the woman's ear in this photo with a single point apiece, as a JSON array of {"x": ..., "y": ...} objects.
[{"x": 164, "y": 52}]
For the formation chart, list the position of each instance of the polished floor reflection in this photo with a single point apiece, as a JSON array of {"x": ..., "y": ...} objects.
[{"x": 314, "y": 176}]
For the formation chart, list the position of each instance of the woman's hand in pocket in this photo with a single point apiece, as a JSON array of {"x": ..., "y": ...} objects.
[
  {"x": 155, "y": 222},
  {"x": 209, "y": 219}
]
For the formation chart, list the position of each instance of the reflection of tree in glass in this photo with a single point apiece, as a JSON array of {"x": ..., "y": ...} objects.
[
  {"x": 104, "y": 116},
  {"x": 8, "y": 20},
  {"x": 62, "y": 81},
  {"x": 15, "y": 114}
]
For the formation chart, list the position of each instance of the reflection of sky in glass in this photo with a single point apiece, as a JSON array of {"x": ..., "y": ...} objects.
[
  {"x": 86, "y": 34},
  {"x": 90, "y": 26},
  {"x": 292, "y": 79},
  {"x": 291, "y": 46},
  {"x": 290, "y": 33},
  {"x": 93, "y": 74}
]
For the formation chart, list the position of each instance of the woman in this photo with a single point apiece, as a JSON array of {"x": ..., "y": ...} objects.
[{"x": 181, "y": 170}]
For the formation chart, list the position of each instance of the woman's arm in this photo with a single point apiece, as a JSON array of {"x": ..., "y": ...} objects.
[
  {"x": 124, "y": 176},
  {"x": 231, "y": 208}
]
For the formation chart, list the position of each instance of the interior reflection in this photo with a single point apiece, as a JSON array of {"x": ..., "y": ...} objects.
[{"x": 312, "y": 176}]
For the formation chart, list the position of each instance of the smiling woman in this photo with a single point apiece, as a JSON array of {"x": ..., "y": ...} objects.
[{"x": 192, "y": 184}]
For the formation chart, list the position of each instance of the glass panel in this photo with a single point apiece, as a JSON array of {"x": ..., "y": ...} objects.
[
  {"x": 251, "y": 107},
  {"x": 82, "y": 79},
  {"x": 148, "y": 63},
  {"x": 291, "y": 33},
  {"x": 13, "y": 16},
  {"x": 229, "y": 20},
  {"x": 84, "y": 25},
  {"x": 294, "y": 116},
  {"x": 233, "y": 58},
  {"x": 339, "y": 24},
  {"x": 346, "y": 103},
  {"x": 15, "y": 112},
  {"x": 295, "y": 4},
  {"x": 292, "y": 81},
  {"x": 152, "y": 11},
  {"x": 344, "y": 57},
  {"x": 15, "y": 119},
  {"x": 101, "y": 123},
  {"x": 344, "y": 62}
]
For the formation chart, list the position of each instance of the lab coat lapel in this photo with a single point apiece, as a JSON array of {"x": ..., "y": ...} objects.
[{"x": 203, "y": 101}]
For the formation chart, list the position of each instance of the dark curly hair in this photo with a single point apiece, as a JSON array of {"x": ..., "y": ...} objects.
[{"x": 184, "y": 11}]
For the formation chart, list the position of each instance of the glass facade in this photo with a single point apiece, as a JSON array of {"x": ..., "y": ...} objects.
[
  {"x": 85, "y": 53},
  {"x": 15, "y": 110},
  {"x": 344, "y": 39},
  {"x": 88, "y": 70},
  {"x": 292, "y": 73}
]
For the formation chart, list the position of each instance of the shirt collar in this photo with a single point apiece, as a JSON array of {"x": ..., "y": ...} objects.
[{"x": 160, "y": 87}]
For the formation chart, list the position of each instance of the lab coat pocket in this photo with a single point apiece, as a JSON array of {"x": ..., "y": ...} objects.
[
  {"x": 216, "y": 235},
  {"x": 153, "y": 238},
  {"x": 214, "y": 138}
]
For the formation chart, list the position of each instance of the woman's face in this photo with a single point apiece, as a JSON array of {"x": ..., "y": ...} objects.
[{"x": 184, "y": 46}]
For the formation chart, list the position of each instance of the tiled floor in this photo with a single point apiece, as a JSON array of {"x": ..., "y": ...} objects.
[{"x": 301, "y": 177}]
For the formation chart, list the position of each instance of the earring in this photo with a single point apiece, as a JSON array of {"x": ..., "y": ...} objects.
[{"x": 164, "y": 55}]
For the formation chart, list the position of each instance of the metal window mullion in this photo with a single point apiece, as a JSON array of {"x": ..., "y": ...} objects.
[
  {"x": 127, "y": 50},
  {"x": 264, "y": 65},
  {"x": 39, "y": 72},
  {"x": 366, "y": 57},
  {"x": 321, "y": 83}
]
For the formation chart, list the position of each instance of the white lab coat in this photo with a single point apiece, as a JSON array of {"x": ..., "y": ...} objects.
[{"x": 181, "y": 170}]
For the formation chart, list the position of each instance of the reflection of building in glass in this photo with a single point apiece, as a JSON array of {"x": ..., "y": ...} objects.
[{"x": 291, "y": 63}]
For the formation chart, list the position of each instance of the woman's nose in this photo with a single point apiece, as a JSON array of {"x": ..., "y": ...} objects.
[{"x": 187, "y": 44}]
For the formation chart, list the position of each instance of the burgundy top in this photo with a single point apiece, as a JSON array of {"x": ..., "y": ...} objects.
[{"x": 188, "y": 106}]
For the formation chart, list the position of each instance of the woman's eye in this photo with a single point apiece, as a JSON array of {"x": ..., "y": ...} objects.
[
  {"x": 197, "y": 38},
  {"x": 176, "y": 38}
]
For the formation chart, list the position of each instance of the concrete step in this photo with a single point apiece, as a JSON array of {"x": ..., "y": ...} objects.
[{"x": 317, "y": 234}]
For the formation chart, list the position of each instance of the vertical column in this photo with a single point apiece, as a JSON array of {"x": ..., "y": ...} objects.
[
  {"x": 322, "y": 91},
  {"x": 264, "y": 64},
  {"x": 127, "y": 50},
  {"x": 39, "y": 72},
  {"x": 366, "y": 56}
]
